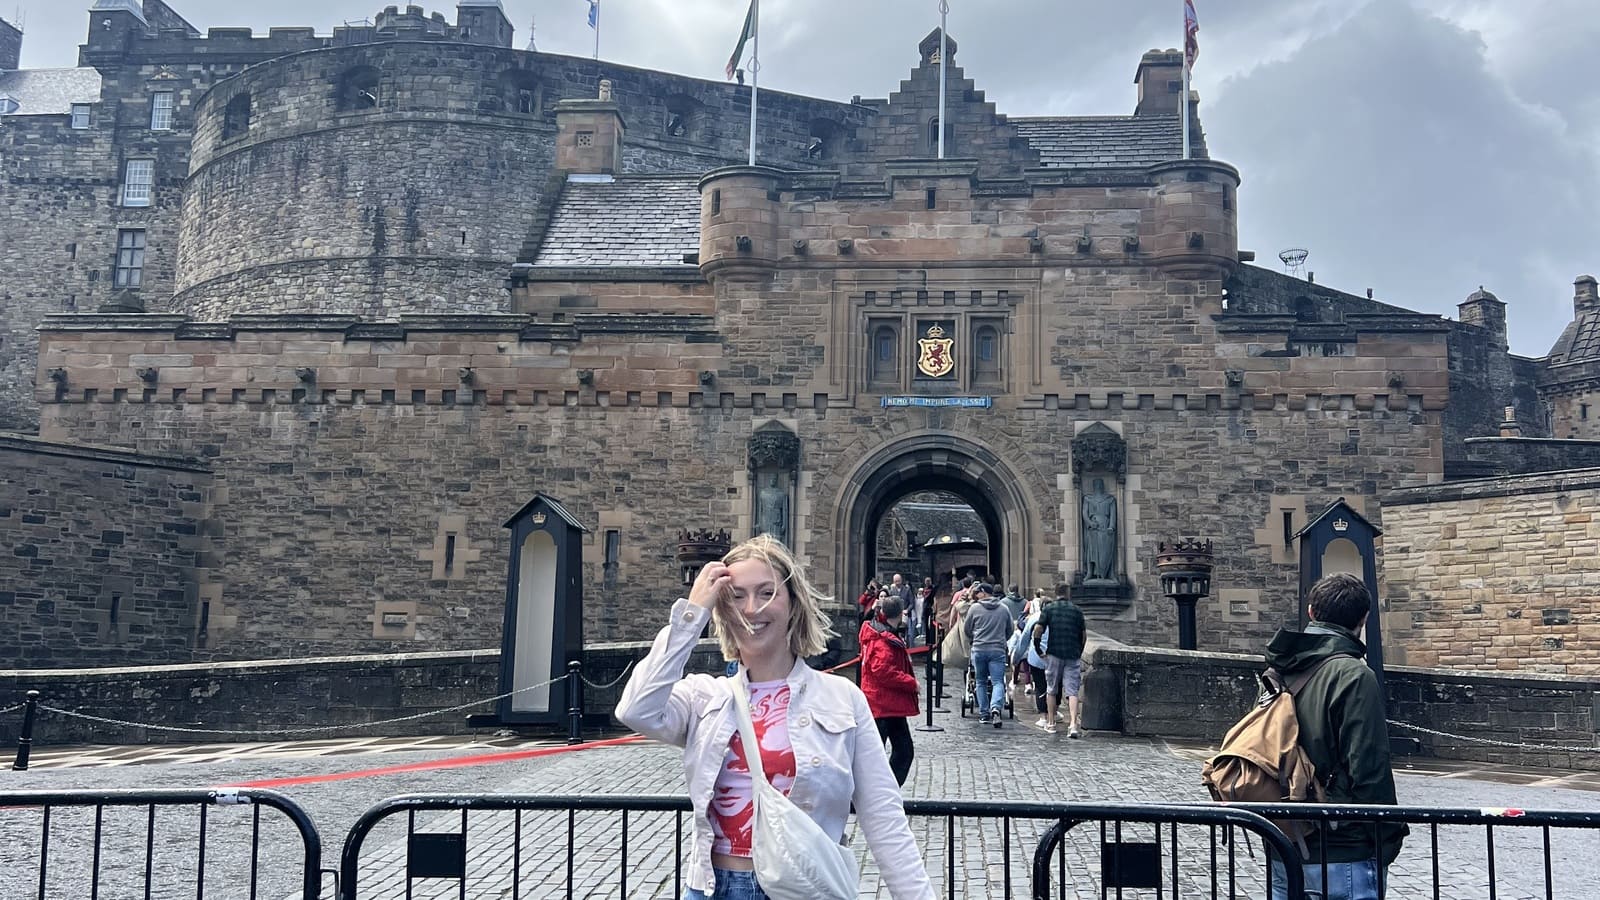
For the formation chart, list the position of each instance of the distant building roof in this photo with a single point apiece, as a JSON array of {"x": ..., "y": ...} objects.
[
  {"x": 629, "y": 220},
  {"x": 1108, "y": 142},
  {"x": 50, "y": 92},
  {"x": 1580, "y": 342}
]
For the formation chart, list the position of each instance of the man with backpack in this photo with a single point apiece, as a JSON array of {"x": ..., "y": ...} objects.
[{"x": 1337, "y": 745}]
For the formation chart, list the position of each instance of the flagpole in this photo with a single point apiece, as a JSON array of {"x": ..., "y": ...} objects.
[
  {"x": 944, "y": 47},
  {"x": 597, "y": 30},
  {"x": 755, "y": 74},
  {"x": 1185, "y": 101}
]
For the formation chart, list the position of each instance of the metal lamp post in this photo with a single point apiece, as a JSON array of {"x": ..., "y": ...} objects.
[{"x": 1185, "y": 567}]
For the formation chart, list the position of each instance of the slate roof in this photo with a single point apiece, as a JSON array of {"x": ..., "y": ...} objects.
[
  {"x": 50, "y": 92},
  {"x": 1580, "y": 342},
  {"x": 626, "y": 221},
  {"x": 1108, "y": 142},
  {"x": 930, "y": 520}
]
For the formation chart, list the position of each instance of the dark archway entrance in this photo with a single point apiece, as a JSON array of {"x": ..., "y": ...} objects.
[{"x": 932, "y": 462}]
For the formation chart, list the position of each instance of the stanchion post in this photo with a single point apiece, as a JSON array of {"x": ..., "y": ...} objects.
[
  {"x": 938, "y": 670},
  {"x": 575, "y": 702},
  {"x": 25, "y": 742},
  {"x": 929, "y": 678}
]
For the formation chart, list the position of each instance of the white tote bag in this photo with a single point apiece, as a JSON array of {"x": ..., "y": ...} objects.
[{"x": 794, "y": 858}]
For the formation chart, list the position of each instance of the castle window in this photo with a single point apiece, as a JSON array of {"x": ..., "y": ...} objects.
[
  {"x": 138, "y": 179},
  {"x": 933, "y": 137},
  {"x": 1583, "y": 411},
  {"x": 129, "y": 272},
  {"x": 236, "y": 117},
  {"x": 519, "y": 92},
  {"x": 80, "y": 116},
  {"x": 986, "y": 354},
  {"x": 682, "y": 117},
  {"x": 161, "y": 111},
  {"x": 883, "y": 363},
  {"x": 358, "y": 89},
  {"x": 824, "y": 140}
]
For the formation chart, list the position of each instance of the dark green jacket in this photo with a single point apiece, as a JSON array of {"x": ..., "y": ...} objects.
[{"x": 1344, "y": 731}]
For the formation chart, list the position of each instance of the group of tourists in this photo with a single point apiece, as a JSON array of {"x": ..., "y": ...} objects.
[{"x": 768, "y": 823}]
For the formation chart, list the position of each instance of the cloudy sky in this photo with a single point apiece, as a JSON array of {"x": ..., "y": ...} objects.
[{"x": 1417, "y": 147}]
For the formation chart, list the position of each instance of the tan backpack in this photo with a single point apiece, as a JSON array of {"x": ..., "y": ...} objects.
[{"x": 1261, "y": 760}]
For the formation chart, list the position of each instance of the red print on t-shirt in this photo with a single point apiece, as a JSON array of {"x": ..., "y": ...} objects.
[{"x": 732, "y": 803}]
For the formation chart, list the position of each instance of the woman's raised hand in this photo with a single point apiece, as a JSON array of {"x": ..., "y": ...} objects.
[{"x": 710, "y": 584}]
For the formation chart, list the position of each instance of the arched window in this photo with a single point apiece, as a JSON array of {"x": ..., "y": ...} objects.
[
  {"x": 824, "y": 140},
  {"x": 986, "y": 354},
  {"x": 236, "y": 117},
  {"x": 358, "y": 88},
  {"x": 683, "y": 117},
  {"x": 883, "y": 356}
]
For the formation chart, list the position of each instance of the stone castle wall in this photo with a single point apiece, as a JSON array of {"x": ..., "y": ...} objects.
[
  {"x": 101, "y": 568},
  {"x": 1496, "y": 574}
]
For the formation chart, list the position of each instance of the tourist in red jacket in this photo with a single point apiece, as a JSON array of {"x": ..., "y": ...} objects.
[{"x": 889, "y": 682}]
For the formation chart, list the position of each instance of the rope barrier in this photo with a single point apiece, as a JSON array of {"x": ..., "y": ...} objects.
[
  {"x": 1548, "y": 748},
  {"x": 317, "y": 729}
]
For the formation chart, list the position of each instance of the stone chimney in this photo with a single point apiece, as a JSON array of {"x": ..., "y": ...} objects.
[
  {"x": 1509, "y": 427},
  {"x": 589, "y": 135},
  {"x": 1485, "y": 310},
  {"x": 10, "y": 46},
  {"x": 1585, "y": 298},
  {"x": 1160, "y": 81}
]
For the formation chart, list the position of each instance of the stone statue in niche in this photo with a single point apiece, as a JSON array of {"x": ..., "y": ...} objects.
[
  {"x": 1099, "y": 534},
  {"x": 772, "y": 507}
]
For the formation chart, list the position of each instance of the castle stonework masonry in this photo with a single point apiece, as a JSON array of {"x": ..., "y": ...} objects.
[{"x": 335, "y": 307}]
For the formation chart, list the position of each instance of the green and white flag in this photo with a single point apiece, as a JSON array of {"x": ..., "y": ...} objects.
[{"x": 744, "y": 37}]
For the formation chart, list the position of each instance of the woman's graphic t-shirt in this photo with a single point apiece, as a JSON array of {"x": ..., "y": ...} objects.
[{"x": 732, "y": 802}]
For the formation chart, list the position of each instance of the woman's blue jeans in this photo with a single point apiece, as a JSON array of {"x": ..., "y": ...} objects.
[{"x": 731, "y": 885}]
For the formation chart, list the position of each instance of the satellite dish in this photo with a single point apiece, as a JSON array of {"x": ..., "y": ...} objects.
[{"x": 8, "y": 105}]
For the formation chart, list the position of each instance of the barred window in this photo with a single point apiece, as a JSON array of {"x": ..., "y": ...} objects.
[
  {"x": 161, "y": 111},
  {"x": 138, "y": 180},
  {"x": 130, "y": 259}
]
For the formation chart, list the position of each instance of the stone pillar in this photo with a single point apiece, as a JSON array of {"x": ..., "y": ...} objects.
[
  {"x": 774, "y": 462},
  {"x": 589, "y": 135}
]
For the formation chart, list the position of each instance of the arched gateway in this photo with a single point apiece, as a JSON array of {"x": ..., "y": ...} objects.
[{"x": 932, "y": 462}]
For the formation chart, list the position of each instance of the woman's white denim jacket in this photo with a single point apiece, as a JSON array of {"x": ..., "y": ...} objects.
[{"x": 839, "y": 757}]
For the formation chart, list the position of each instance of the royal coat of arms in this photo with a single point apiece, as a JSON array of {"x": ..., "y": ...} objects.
[{"x": 936, "y": 353}]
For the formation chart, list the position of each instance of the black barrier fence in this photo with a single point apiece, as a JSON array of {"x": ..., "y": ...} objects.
[
  {"x": 1498, "y": 852},
  {"x": 157, "y": 844},
  {"x": 635, "y": 846}
]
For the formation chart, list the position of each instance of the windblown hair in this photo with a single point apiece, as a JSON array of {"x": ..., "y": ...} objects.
[
  {"x": 809, "y": 626},
  {"x": 1339, "y": 599}
]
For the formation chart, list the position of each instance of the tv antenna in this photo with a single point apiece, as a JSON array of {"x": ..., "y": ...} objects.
[{"x": 1294, "y": 260}]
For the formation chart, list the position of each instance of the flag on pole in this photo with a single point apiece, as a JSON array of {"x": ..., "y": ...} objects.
[
  {"x": 1191, "y": 35},
  {"x": 744, "y": 36},
  {"x": 594, "y": 14}
]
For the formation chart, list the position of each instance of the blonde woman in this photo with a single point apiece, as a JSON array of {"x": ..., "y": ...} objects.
[{"x": 818, "y": 741}]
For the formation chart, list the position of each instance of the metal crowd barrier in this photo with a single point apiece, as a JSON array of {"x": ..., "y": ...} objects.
[
  {"x": 157, "y": 844},
  {"x": 517, "y": 846},
  {"x": 1566, "y": 862}
]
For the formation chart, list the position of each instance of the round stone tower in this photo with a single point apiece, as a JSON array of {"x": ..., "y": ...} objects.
[
  {"x": 375, "y": 180},
  {"x": 738, "y": 221},
  {"x": 1196, "y": 221}
]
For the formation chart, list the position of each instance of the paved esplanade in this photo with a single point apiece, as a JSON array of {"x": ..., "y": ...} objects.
[{"x": 1016, "y": 762}]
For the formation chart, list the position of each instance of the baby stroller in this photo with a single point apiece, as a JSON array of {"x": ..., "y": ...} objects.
[{"x": 969, "y": 693}]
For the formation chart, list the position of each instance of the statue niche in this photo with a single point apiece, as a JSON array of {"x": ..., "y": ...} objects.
[
  {"x": 774, "y": 458},
  {"x": 1099, "y": 478}
]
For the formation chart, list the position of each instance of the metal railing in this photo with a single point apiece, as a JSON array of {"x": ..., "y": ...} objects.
[
  {"x": 114, "y": 844},
  {"x": 512, "y": 846}
]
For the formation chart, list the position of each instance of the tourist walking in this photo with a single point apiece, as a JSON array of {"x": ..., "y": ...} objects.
[
  {"x": 988, "y": 625},
  {"x": 868, "y": 599},
  {"x": 1063, "y": 659},
  {"x": 767, "y": 615},
  {"x": 890, "y": 683},
  {"x": 1343, "y": 729}
]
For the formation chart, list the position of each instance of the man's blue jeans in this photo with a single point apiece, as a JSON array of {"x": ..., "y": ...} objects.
[
  {"x": 1346, "y": 881},
  {"x": 990, "y": 666},
  {"x": 731, "y": 885}
]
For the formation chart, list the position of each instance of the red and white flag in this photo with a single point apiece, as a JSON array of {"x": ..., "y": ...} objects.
[{"x": 1191, "y": 35}]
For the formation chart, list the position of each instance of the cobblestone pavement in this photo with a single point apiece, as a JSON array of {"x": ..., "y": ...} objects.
[
  {"x": 1016, "y": 762},
  {"x": 118, "y": 755}
]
